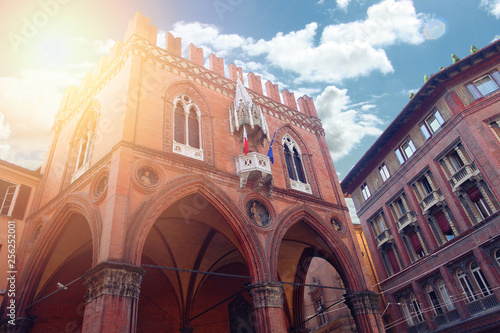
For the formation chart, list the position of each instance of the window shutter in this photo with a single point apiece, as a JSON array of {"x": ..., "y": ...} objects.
[
  {"x": 21, "y": 202},
  {"x": 399, "y": 156},
  {"x": 425, "y": 131},
  {"x": 393, "y": 260},
  {"x": 443, "y": 223},
  {"x": 415, "y": 242},
  {"x": 439, "y": 117},
  {"x": 474, "y": 92},
  {"x": 496, "y": 76},
  {"x": 474, "y": 194}
]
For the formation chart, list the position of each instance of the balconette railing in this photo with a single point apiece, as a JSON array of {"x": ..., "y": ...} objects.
[
  {"x": 447, "y": 318},
  {"x": 418, "y": 328},
  {"x": 482, "y": 304},
  {"x": 383, "y": 237},
  {"x": 467, "y": 171},
  {"x": 253, "y": 165},
  {"x": 430, "y": 200},
  {"x": 406, "y": 220}
]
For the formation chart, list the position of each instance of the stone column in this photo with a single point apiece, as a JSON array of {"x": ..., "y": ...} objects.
[
  {"x": 112, "y": 297},
  {"x": 365, "y": 310},
  {"x": 21, "y": 325},
  {"x": 268, "y": 299}
]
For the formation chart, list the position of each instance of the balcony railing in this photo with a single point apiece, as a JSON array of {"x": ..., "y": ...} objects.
[
  {"x": 430, "y": 200},
  {"x": 467, "y": 171},
  {"x": 418, "y": 328},
  {"x": 447, "y": 318},
  {"x": 482, "y": 304},
  {"x": 406, "y": 220},
  {"x": 383, "y": 237},
  {"x": 253, "y": 165}
]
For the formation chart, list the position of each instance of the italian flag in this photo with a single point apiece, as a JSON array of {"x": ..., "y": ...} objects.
[{"x": 245, "y": 138}]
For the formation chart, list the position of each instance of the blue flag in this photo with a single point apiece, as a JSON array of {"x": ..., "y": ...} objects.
[{"x": 270, "y": 151}]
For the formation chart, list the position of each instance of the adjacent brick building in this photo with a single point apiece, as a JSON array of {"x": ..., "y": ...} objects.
[
  {"x": 427, "y": 194},
  {"x": 150, "y": 217},
  {"x": 17, "y": 188}
]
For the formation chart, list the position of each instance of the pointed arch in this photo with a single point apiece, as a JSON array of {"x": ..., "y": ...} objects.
[
  {"x": 200, "y": 117},
  {"x": 149, "y": 211},
  {"x": 297, "y": 165},
  {"x": 336, "y": 252},
  {"x": 82, "y": 143},
  {"x": 76, "y": 204}
]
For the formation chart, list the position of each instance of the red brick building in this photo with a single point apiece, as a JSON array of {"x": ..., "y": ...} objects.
[
  {"x": 150, "y": 217},
  {"x": 427, "y": 194}
]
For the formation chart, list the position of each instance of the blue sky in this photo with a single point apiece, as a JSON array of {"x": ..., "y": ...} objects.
[{"x": 358, "y": 59}]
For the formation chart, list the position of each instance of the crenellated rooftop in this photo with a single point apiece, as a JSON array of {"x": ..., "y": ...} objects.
[{"x": 141, "y": 27}]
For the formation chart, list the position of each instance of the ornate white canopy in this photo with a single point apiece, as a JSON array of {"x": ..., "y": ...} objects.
[{"x": 244, "y": 108}]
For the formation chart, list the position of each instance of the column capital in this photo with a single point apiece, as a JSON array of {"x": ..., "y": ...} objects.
[
  {"x": 267, "y": 294},
  {"x": 113, "y": 278},
  {"x": 364, "y": 302}
]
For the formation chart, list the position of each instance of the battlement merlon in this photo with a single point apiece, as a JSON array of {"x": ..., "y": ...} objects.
[{"x": 139, "y": 28}]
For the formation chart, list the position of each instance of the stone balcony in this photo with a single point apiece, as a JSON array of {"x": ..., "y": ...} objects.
[
  {"x": 466, "y": 172},
  {"x": 406, "y": 220},
  {"x": 383, "y": 237},
  {"x": 431, "y": 199},
  {"x": 254, "y": 167}
]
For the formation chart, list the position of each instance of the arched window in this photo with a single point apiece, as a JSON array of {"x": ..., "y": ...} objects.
[
  {"x": 417, "y": 313},
  {"x": 445, "y": 295},
  {"x": 187, "y": 128},
  {"x": 497, "y": 256},
  {"x": 193, "y": 128},
  {"x": 83, "y": 145},
  {"x": 180, "y": 123},
  {"x": 466, "y": 286},
  {"x": 295, "y": 165},
  {"x": 406, "y": 311},
  {"x": 480, "y": 279},
  {"x": 433, "y": 297}
]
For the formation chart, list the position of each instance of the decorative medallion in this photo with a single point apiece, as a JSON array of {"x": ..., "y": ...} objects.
[
  {"x": 100, "y": 186},
  {"x": 147, "y": 176},
  {"x": 258, "y": 213},
  {"x": 337, "y": 225}
]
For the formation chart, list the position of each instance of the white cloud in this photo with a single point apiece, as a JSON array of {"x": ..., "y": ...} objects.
[
  {"x": 343, "y": 4},
  {"x": 4, "y": 129},
  {"x": 209, "y": 37},
  {"x": 492, "y": 6},
  {"x": 29, "y": 103},
  {"x": 345, "y": 50},
  {"x": 344, "y": 125},
  {"x": 103, "y": 46}
]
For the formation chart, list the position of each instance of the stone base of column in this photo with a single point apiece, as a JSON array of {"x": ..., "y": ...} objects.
[
  {"x": 186, "y": 330},
  {"x": 112, "y": 295}
]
